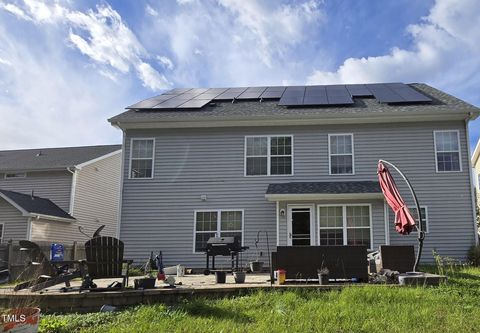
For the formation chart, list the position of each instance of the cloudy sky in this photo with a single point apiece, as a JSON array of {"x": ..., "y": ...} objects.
[{"x": 67, "y": 66}]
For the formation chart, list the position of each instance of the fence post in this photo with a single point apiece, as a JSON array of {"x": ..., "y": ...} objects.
[
  {"x": 74, "y": 250},
  {"x": 10, "y": 256}
]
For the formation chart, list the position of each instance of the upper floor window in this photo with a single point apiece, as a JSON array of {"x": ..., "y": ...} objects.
[
  {"x": 341, "y": 154},
  {"x": 142, "y": 158},
  {"x": 15, "y": 175},
  {"x": 268, "y": 155},
  {"x": 447, "y": 151}
]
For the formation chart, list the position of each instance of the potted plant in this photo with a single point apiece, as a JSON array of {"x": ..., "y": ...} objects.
[
  {"x": 323, "y": 275},
  {"x": 148, "y": 281},
  {"x": 239, "y": 275}
]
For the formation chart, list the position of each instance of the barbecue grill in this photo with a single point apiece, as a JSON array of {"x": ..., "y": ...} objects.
[{"x": 223, "y": 246}]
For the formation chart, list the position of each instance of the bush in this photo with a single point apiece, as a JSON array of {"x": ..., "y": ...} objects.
[{"x": 474, "y": 255}]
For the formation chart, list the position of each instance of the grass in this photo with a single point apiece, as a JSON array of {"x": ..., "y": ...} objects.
[{"x": 452, "y": 307}]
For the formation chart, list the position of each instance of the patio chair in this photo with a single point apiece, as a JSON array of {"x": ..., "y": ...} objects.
[
  {"x": 104, "y": 260},
  {"x": 46, "y": 273},
  {"x": 399, "y": 258}
]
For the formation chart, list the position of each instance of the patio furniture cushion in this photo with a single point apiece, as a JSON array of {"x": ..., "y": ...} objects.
[{"x": 399, "y": 258}]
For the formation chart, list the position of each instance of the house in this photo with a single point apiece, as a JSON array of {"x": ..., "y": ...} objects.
[
  {"x": 46, "y": 194},
  {"x": 476, "y": 174},
  {"x": 297, "y": 162}
]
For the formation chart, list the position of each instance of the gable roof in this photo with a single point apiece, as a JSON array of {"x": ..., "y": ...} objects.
[
  {"x": 238, "y": 112},
  {"x": 52, "y": 158},
  {"x": 34, "y": 206}
]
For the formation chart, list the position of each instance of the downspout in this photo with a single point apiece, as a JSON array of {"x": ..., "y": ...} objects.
[
  {"x": 122, "y": 176},
  {"x": 72, "y": 190},
  {"x": 472, "y": 187}
]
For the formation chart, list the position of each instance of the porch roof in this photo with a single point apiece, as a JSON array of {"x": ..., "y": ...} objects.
[{"x": 324, "y": 190}]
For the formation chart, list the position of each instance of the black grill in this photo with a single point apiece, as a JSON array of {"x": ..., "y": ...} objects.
[{"x": 223, "y": 246}]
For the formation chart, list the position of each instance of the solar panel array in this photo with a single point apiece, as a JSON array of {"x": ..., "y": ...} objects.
[{"x": 322, "y": 95}]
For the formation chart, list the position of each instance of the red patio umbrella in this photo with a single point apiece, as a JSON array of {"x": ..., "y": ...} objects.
[{"x": 404, "y": 222}]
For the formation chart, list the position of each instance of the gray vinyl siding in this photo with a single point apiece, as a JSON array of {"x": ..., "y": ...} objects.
[
  {"x": 158, "y": 213},
  {"x": 53, "y": 185},
  {"x": 97, "y": 195},
  {"x": 14, "y": 224}
]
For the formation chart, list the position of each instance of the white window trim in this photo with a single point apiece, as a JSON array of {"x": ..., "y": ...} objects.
[
  {"x": 219, "y": 223},
  {"x": 269, "y": 139},
  {"x": 3, "y": 232},
  {"x": 427, "y": 225},
  {"x": 436, "y": 152},
  {"x": 23, "y": 175},
  {"x": 143, "y": 158},
  {"x": 330, "y": 155},
  {"x": 344, "y": 218}
]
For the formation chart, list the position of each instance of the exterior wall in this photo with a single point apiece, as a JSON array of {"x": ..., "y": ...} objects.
[
  {"x": 97, "y": 195},
  {"x": 15, "y": 225},
  {"x": 158, "y": 213},
  {"x": 55, "y": 231},
  {"x": 53, "y": 185}
]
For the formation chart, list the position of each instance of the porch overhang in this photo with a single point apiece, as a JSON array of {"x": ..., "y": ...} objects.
[{"x": 311, "y": 191}]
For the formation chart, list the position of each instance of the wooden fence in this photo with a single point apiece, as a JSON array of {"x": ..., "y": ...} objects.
[{"x": 15, "y": 260}]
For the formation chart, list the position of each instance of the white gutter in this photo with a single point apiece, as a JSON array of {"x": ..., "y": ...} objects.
[{"x": 120, "y": 198}]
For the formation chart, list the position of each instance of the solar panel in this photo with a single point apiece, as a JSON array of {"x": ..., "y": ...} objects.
[
  {"x": 170, "y": 104},
  {"x": 252, "y": 93},
  {"x": 358, "y": 90},
  {"x": 194, "y": 104},
  {"x": 384, "y": 94},
  {"x": 409, "y": 94},
  {"x": 292, "y": 96},
  {"x": 273, "y": 92},
  {"x": 315, "y": 95},
  {"x": 151, "y": 102},
  {"x": 338, "y": 94},
  {"x": 230, "y": 94}
]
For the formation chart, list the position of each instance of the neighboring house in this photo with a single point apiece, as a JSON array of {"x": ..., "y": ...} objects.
[
  {"x": 476, "y": 174},
  {"x": 299, "y": 163},
  {"x": 46, "y": 194}
]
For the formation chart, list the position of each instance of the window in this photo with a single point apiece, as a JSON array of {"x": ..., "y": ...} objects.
[
  {"x": 2, "y": 228},
  {"x": 15, "y": 175},
  {"x": 447, "y": 151},
  {"x": 268, "y": 155},
  {"x": 345, "y": 225},
  {"x": 141, "y": 158},
  {"x": 221, "y": 223},
  {"x": 424, "y": 210},
  {"x": 340, "y": 148}
]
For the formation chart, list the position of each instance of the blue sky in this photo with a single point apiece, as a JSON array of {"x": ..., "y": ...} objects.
[{"x": 67, "y": 66}]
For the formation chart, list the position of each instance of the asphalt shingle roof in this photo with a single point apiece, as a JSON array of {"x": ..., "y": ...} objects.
[
  {"x": 51, "y": 158},
  {"x": 325, "y": 187},
  {"x": 36, "y": 205},
  {"x": 442, "y": 102}
]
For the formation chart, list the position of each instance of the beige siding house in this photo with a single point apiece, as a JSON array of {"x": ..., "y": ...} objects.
[{"x": 47, "y": 194}]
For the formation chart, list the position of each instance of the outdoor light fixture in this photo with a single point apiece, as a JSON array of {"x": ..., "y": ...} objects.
[
  {"x": 203, "y": 197},
  {"x": 282, "y": 212}
]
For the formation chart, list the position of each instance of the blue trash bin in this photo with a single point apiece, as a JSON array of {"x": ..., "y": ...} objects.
[{"x": 57, "y": 252}]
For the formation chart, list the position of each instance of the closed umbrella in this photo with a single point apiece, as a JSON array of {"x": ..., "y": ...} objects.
[{"x": 404, "y": 222}]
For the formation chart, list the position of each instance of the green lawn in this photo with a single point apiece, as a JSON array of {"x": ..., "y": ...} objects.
[{"x": 453, "y": 307}]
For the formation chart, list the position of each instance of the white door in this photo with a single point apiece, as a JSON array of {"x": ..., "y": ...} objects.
[{"x": 300, "y": 225}]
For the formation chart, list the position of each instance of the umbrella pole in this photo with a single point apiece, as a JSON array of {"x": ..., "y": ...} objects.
[{"x": 421, "y": 233}]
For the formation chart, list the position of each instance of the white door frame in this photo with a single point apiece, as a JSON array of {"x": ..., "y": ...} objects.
[{"x": 310, "y": 207}]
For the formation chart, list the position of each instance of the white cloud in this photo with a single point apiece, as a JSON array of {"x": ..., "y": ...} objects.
[
  {"x": 165, "y": 62},
  {"x": 445, "y": 52},
  {"x": 99, "y": 34},
  {"x": 150, "y": 10}
]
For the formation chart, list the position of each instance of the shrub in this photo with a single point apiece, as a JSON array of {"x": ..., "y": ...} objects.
[{"x": 474, "y": 255}]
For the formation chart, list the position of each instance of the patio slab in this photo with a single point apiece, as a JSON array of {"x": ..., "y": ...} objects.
[{"x": 53, "y": 300}]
